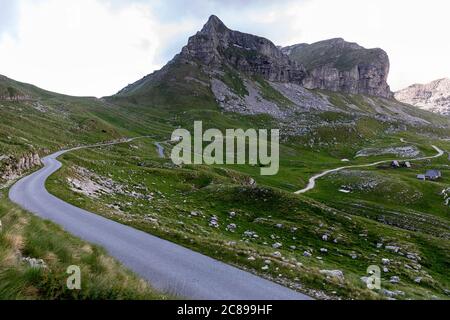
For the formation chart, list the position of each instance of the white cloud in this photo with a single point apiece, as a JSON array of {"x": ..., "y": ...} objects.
[
  {"x": 96, "y": 47},
  {"x": 413, "y": 32},
  {"x": 80, "y": 47}
]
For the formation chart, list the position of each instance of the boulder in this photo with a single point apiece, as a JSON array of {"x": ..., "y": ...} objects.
[{"x": 338, "y": 274}]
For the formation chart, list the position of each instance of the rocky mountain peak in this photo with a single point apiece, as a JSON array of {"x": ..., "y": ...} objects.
[
  {"x": 214, "y": 25},
  {"x": 433, "y": 96},
  {"x": 334, "y": 64},
  {"x": 216, "y": 45},
  {"x": 338, "y": 65}
]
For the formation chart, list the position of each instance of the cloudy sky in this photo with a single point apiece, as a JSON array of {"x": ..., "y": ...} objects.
[{"x": 96, "y": 47}]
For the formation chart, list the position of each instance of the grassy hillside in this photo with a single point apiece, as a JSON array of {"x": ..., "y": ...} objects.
[
  {"x": 25, "y": 236},
  {"x": 43, "y": 122},
  {"x": 153, "y": 195},
  {"x": 177, "y": 211}
]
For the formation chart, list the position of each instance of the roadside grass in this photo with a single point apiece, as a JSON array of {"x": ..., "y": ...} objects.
[
  {"x": 274, "y": 214},
  {"x": 24, "y": 235}
]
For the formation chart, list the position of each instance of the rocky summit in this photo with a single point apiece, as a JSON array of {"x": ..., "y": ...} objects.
[
  {"x": 334, "y": 65},
  {"x": 338, "y": 65},
  {"x": 215, "y": 44},
  {"x": 433, "y": 96}
]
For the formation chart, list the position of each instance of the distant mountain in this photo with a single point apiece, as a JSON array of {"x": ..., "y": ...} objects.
[
  {"x": 334, "y": 65},
  {"x": 216, "y": 45},
  {"x": 247, "y": 74},
  {"x": 433, "y": 96},
  {"x": 338, "y": 65}
]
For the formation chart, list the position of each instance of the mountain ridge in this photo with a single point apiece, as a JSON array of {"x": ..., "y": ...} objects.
[
  {"x": 238, "y": 72},
  {"x": 342, "y": 66},
  {"x": 215, "y": 45},
  {"x": 433, "y": 96}
]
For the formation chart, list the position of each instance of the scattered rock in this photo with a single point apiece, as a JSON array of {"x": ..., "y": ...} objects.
[
  {"x": 392, "y": 294},
  {"x": 394, "y": 279},
  {"x": 277, "y": 245},
  {"x": 35, "y": 263},
  {"x": 413, "y": 256},
  {"x": 394, "y": 249},
  {"x": 214, "y": 222},
  {"x": 334, "y": 274},
  {"x": 403, "y": 151},
  {"x": 250, "y": 234},
  {"x": 366, "y": 280},
  {"x": 277, "y": 254}
]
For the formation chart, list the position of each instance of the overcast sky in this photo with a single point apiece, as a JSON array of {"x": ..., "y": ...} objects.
[{"x": 96, "y": 47}]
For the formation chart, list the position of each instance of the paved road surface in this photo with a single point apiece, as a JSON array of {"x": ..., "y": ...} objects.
[
  {"x": 160, "y": 149},
  {"x": 168, "y": 267}
]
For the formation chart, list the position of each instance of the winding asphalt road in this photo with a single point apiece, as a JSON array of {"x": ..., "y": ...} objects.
[
  {"x": 160, "y": 150},
  {"x": 168, "y": 267},
  {"x": 312, "y": 182}
]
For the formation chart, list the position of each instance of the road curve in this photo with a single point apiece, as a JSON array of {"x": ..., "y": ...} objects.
[
  {"x": 168, "y": 267},
  {"x": 312, "y": 181},
  {"x": 160, "y": 150}
]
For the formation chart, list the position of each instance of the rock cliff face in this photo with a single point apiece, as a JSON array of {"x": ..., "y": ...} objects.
[
  {"x": 10, "y": 92},
  {"x": 15, "y": 167},
  {"x": 342, "y": 66},
  {"x": 215, "y": 45},
  {"x": 433, "y": 96},
  {"x": 334, "y": 64}
]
